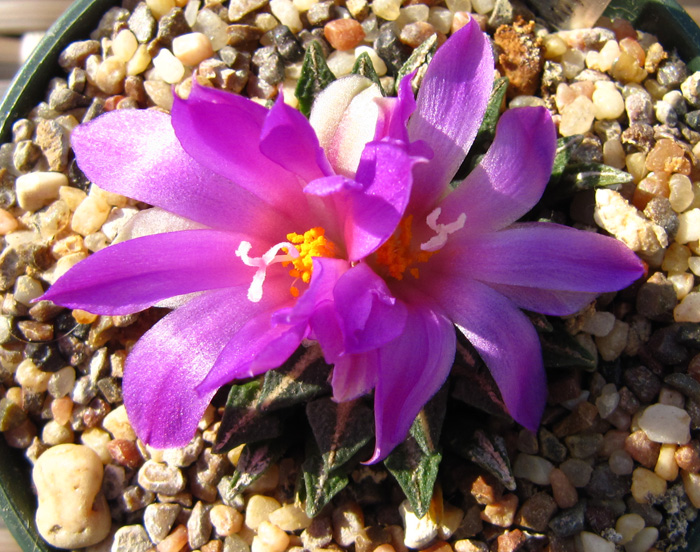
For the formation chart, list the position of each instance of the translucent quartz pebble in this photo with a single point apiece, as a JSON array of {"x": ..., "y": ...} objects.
[
  {"x": 688, "y": 310},
  {"x": 590, "y": 542},
  {"x": 681, "y": 192},
  {"x": 666, "y": 424},
  {"x": 124, "y": 45},
  {"x": 192, "y": 48},
  {"x": 215, "y": 28},
  {"x": 689, "y": 226},
  {"x": 628, "y": 525},
  {"x": 387, "y": 9},
  {"x": 577, "y": 117},
  {"x": 607, "y": 101},
  {"x": 170, "y": 69}
]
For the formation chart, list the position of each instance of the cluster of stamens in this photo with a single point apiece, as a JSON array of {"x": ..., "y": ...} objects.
[{"x": 313, "y": 243}]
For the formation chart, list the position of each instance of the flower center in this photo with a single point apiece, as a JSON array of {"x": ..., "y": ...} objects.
[
  {"x": 313, "y": 243},
  {"x": 299, "y": 251},
  {"x": 397, "y": 255}
]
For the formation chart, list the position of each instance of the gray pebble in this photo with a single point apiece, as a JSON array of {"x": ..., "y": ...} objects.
[
  {"x": 388, "y": 47},
  {"x": 22, "y": 129},
  {"x": 114, "y": 19},
  {"x": 110, "y": 389},
  {"x": 551, "y": 447},
  {"x": 135, "y": 498},
  {"x": 84, "y": 391},
  {"x": 288, "y": 46},
  {"x": 665, "y": 113},
  {"x": 552, "y": 76},
  {"x": 26, "y": 154},
  {"x": 690, "y": 88},
  {"x": 65, "y": 99},
  {"x": 238, "y": 8},
  {"x": 639, "y": 136},
  {"x": 131, "y": 538},
  {"x": 584, "y": 445},
  {"x": 199, "y": 525},
  {"x": 569, "y": 522},
  {"x": 159, "y": 520},
  {"x": 502, "y": 14},
  {"x": 161, "y": 478},
  {"x": 659, "y": 211},
  {"x": 113, "y": 481},
  {"x": 142, "y": 23},
  {"x": 639, "y": 108},
  {"x": 604, "y": 484},
  {"x": 269, "y": 65},
  {"x": 319, "y": 534},
  {"x": 671, "y": 73},
  {"x": 657, "y": 298},
  {"x": 321, "y": 13},
  {"x": 76, "y": 53},
  {"x": 664, "y": 346},
  {"x": 642, "y": 382}
]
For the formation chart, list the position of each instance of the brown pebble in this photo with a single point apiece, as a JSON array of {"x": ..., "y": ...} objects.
[
  {"x": 564, "y": 492},
  {"x": 212, "y": 546},
  {"x": 416, "y": 33},
  {"x": 501, "y": 513},
  {"x": 35, "y": 331},
  {"x": 125, "y": 452},
  {"x": 485, "y": 489},
  {"x": 668, "y": 156},
  {"x": 688, "y": 457},
  {"x": 536, "y": 512},
  {"x": 344, "y": 34},
  {"x": 439, "y": 546},
  {"x": 510, "y": 541},
  {"x": 642, "y": 449},
  {"x": 582, "y": 418}
]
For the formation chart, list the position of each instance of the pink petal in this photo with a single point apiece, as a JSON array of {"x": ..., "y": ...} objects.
[
  {"x": 224, "y": 136},
  {"x": 288, "y": 139},
  {"x": 512, "y": 176},
  {"x": 412, "y": 368},
  {"x": 168, "y": 362},
  {"x": 386, "y": 173},
  {"x": 451, "y": 103},
  {"x": 369, "y": 315},
  {"x": 545, "y": 256},
  {"x": 506, "y": 340},
  {"x": 135, "y": 153},
  {"x": 133, "y": 275},
  {"x": 354, "y": 375},
  {"x": 546, "y": 301}
]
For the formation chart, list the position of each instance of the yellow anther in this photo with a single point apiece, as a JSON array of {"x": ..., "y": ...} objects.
[
  {"x": 396, "y": 253},
  {"x": 313, "y": 243}
]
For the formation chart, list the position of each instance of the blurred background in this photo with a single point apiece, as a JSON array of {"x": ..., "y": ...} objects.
[{"x": 22, "y": 24}]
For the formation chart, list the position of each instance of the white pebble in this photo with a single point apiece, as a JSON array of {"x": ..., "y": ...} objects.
[
  {"x": 483, "y": 6},
  {"x": 628, "y": 525},
  {"x": 590, "y": 542},
  {"x": 689, "y": 226},
  {"x": 124, "y": 45},
  {"x": 287, "y": 13},
  {"x": 577, "y": 117},
  {"x": 37, "y": 189},
  {"x": 90, "y": 215},
  {"x": 681, "y": 192},
  {"x": 600, "y": 324},
  {"x": 683, "y": 282},
  {"x": 170, "y": 69},
  {"x": 419, "y": 532},
  {"x": 666, "y": 424},
  {"x": 27, "y": 289},
  {"x": 441, "y": 19},
  {"x": 72, "y": 512},
  {"x": 116, "y": 220},
  {"x": 192, "y": 48},
  {"x": 688, "y": 310},
  {"x": 643, "y": 541},
  {"x": 29, "y": 376},
  {"x": 533, "y": 468},
  {"x": 341, "y": 62},
  {"x": 694, "y": 265},
  {"x": 387, "y": 9},
  {"x": 607, "y": 101},
  {"x": 459, "y": 5},
  {"x": 214, "y": 27}
]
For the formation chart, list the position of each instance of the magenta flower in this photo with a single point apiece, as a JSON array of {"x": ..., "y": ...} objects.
[{"x": 270, "y": 229}]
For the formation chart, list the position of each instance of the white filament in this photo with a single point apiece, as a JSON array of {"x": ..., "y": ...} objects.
[
  {"x": 442, "y": 231},
  {"x": 255, "y": 291}
]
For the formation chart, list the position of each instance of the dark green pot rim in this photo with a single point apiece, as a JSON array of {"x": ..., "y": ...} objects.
[{"x": 664, "y": 18}]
